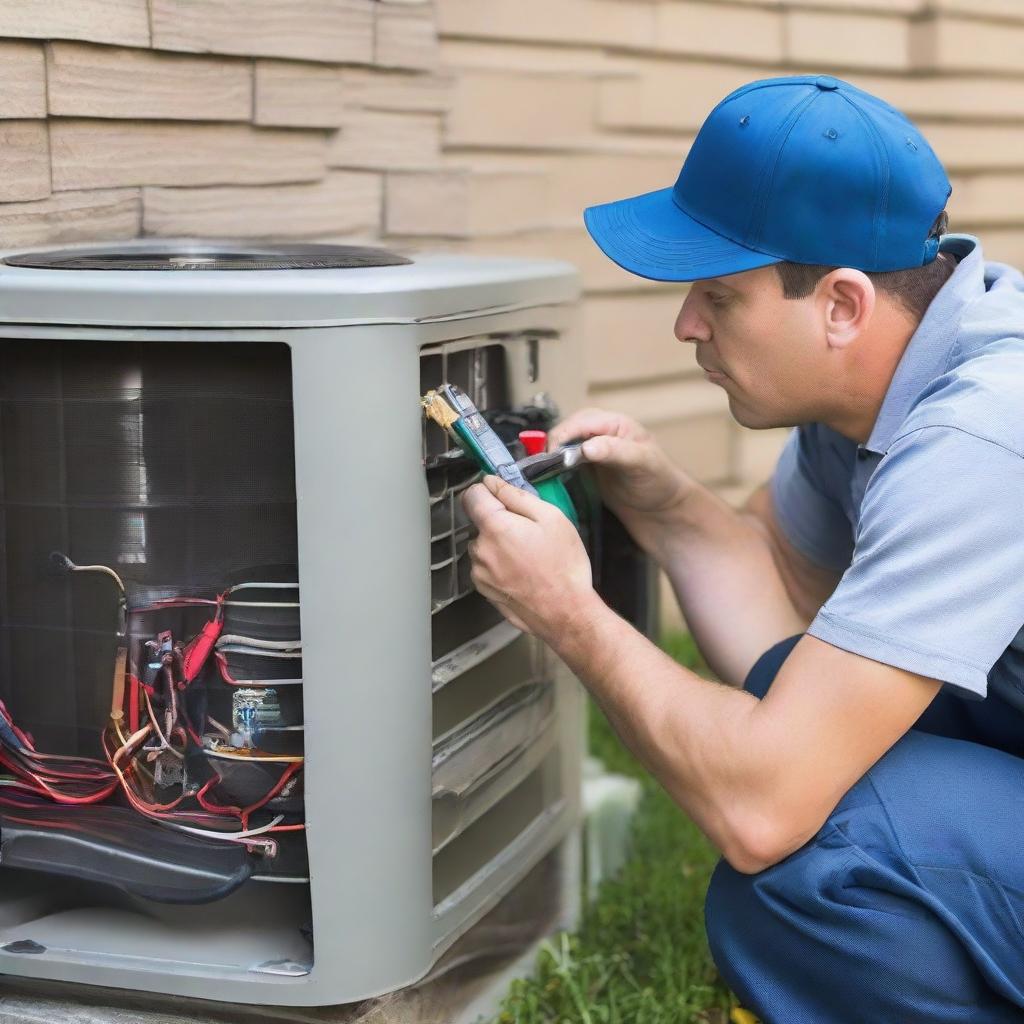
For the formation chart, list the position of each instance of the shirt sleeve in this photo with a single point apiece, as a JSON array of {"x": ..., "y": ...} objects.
[
  {"x": 805, "y": 507},
  {"x": 936, "y": 585}
]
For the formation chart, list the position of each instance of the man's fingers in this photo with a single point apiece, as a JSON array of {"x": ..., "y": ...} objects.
[
  {"x": 585, "y": 423},
  {"x": 494, "y": 495},
  {"x": 500, "y": 601},
  {"x": 479, "y": 503},
  {"x": 515, "y": 499},
  {"x": 613, "y": 451},
  {"x": 597, "y": 449}
]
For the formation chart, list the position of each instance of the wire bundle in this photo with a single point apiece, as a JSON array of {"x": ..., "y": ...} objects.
[
  {"x": 165, "y": 730},
  {"x": 53, "y": 777},
  {"x": 149, "y": 728}
]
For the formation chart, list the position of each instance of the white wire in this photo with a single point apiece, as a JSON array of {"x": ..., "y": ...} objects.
[
  {"x": 269, "y": 759},
  {"x": 233, "y": 837},
  {"x": 18, "y": 785},
  {"x": 222, "y": 729}
]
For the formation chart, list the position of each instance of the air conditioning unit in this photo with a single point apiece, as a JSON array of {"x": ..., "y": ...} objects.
[{"x": 261, "y": 741}]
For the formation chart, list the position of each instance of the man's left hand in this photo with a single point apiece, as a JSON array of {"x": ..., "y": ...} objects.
[{"x": 528, "y": 558}]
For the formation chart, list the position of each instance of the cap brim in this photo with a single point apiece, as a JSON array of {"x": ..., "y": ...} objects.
[{"x": 651, "y": 237}]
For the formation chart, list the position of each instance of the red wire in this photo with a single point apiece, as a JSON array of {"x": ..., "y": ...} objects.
[
  {"x": 134, "y": 686},
  {"x": 222, "y": 664},
  {"x": 40, "y": 783},
  {"x": 74, "y": 779},
  {"x": 221, "y": 809},
  {"x": 281, "y": 782},
  {"x": 243, "y": 813}
]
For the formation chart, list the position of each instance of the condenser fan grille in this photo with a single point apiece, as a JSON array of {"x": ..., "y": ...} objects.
[{"x": 210, "y": 256}]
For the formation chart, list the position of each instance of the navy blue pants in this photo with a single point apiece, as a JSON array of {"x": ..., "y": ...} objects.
[{"x": 907, "y": 907}]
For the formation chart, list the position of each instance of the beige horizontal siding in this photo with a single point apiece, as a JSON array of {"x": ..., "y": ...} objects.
[
  {"x": 84, "y": 80},
  {"x": 342, "y": 202},
  {"x": 24, "y": 160},
  {"x": 119, "y": 22},
  {"x": 387, "y": 140},
  {"x": 324, "y": 30},
  {"x": 23, "y": 80},
  {"x": 106, "y": 153}
]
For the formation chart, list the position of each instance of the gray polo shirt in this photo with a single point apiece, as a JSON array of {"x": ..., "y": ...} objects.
[{"x": 926, "y": 519}]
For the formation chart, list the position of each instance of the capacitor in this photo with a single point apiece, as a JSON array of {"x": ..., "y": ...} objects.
[{"x": 252, "y": 709}]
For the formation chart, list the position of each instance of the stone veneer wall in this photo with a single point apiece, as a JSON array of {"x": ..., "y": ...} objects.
[{"x": 479, "y": 125}]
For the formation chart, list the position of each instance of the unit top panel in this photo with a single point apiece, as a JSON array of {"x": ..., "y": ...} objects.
[{"x": 203, "y": 283}]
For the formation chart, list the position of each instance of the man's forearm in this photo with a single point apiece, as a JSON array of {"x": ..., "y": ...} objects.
[
  {"x": 689, "y": 732},
  {"x": 727, "y": 583},
  {"x": 758, "y": 776}
]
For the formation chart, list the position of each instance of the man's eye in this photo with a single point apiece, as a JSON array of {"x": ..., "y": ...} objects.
[{"x": 717, "y": 300}]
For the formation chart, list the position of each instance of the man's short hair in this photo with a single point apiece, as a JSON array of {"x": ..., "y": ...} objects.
[{"x": 914, "y": 288}]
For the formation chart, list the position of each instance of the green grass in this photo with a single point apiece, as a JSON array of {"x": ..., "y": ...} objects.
[{"x": 640, "y": 955}]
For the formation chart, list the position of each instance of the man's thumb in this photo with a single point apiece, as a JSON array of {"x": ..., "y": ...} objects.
[
  {"x": 613, "y": 450},
  {"x": 514, "y": 498},
  {"x": 597, "y": 449}
]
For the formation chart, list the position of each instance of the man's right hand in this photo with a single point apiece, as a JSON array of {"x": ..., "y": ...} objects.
[{"x": 637, "y": 480}]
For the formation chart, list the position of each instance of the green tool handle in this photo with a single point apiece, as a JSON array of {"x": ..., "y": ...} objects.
[{"x": 553, "y": 491}]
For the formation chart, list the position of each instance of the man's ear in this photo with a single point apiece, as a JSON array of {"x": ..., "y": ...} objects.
[{"x": 847, "y": 301}]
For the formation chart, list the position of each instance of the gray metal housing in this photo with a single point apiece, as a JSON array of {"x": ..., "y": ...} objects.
[{"x": 355, "y": 338}]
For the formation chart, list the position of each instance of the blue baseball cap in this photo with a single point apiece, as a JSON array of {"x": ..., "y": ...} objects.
[{"x": 808, "y": 168}]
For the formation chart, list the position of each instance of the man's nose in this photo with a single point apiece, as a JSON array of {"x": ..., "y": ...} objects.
[{"x": 690, "y": 325}]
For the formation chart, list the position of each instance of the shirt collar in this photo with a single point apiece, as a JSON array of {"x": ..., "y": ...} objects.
[{"x": 927, "y": 352}]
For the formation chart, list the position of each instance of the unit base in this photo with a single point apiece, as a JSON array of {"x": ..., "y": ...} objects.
[{"x": 465, "y": 986}]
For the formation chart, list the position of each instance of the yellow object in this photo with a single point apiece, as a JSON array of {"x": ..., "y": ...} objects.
[
  {"x": 438, "y": 410},
  {"x": 741, "y": 1016}
]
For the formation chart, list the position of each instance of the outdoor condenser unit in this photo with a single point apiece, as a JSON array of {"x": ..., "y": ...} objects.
[{"x": 261, "y": 741}]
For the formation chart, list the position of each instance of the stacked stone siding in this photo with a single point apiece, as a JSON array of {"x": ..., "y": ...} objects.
[{"x": 478, "y": 125}]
